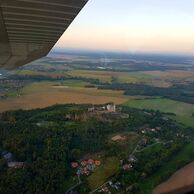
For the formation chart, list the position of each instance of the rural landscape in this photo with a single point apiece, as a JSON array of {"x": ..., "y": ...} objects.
[{"x": 87, "y": 122}]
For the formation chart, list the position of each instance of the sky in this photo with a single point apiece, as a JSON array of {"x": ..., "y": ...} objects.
[{"x": 133, "y": 26}]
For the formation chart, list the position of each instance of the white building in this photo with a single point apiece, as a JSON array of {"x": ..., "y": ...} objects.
[{"x": 111, "y": 107}]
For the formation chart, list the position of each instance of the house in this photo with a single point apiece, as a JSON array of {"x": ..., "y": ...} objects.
[
  {"x": 68, "y": 116},
  {"x": 91, "y": 109},
  {"x": 144, "y": 141},
  {"x": 110, "y": 183},
  {"x": 84, "y": 163},
  {"x": 74, "y": 164},
  {"x": 86, "y": 171},
  {"x": 124, "y": 116},
  {"x": 15, "y": 164},
  {"x": 91, "y": 167},
  {"x": 132, "y": 159},
  {"x": 97, "y": 163},
  {"x": 91, "y": 161},
  {"x": 127, "y": 167}
]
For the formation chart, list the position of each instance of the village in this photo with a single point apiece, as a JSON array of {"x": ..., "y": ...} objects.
[{"x": 85, "y": 167}]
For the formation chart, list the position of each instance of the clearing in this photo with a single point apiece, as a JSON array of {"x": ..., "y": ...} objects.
[{"x": 118, "y": 138}]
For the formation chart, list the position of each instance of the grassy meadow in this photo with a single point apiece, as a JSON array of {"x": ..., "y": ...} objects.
[{"x": 105, "y": 171}]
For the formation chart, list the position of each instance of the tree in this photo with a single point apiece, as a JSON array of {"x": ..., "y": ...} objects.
[{"x": 75, "y": 154}]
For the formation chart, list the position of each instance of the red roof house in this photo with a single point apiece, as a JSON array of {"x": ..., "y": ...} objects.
[
  {"x": 90, "y": 161},
  {"x": 74, "y": 164},
  {"x": 84, "y": 163},
  {"x": 97, "y": 162}
]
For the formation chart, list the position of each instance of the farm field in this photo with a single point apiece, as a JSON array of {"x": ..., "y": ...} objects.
[
  {"x": 101, "y": 75},
  {"x": 127, "y": 77},
  {"x": 43, "y": 94},
  {"x": 154, "y": 78},
  {"x": 40, "y": 73},
  {"x": 176, "y": 182},
  {"x": 171, "y": 74}
]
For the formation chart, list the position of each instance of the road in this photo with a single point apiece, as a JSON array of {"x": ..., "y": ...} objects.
[{"x": 74, "y": 186}]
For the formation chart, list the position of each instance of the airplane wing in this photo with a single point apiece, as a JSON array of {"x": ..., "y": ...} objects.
[{"x": 30, "y": 28}]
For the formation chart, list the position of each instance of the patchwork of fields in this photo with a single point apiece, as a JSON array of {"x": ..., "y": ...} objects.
[
  {"x": 47, "y": 93},
  {"x": 155, "y": 78},
  {"x": 43, "y": 94}
]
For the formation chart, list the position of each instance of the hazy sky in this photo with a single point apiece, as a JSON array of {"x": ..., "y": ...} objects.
[{"x": 134, "y": 26}]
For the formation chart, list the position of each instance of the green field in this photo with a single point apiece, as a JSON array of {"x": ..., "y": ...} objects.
[
  {"x": 163, "y": 105},
  {"x": 100, "y": 176},
  {"x": 182, "y": 110}
]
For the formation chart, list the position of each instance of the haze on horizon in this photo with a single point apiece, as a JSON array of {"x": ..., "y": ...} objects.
[{"x": 133, "y": 26}]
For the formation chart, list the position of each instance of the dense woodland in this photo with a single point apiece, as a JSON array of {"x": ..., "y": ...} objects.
[{"x": 48, "y": 140}]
